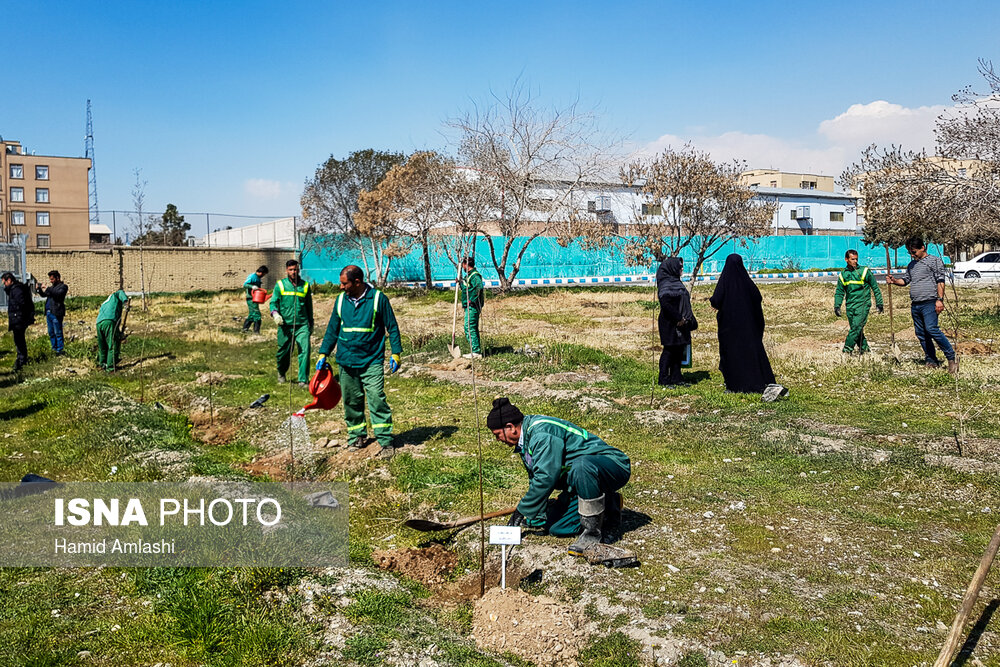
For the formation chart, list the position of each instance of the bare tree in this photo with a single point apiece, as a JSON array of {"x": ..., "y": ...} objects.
[
  {"x": 468, "y": 203},
  {"x": 417, "y": 191},
  {"x": 685, "y": 200},
  {"x": 330, "y": 201},
  {"x": 530, "y": 163},
  {"x": 377, "y": 225},
  {"x": 973, "y": 129},
  {"x": 142, "y": 223}
]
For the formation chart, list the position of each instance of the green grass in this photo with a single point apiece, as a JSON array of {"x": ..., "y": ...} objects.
[{"x": 845, "y": 530}]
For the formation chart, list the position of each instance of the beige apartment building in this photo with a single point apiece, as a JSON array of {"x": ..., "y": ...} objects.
[
  {"x": 45, "y": 197},
  {"x": 772, "y": 178}
]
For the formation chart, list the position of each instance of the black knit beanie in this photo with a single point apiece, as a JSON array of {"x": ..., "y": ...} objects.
[{"x": 503, "y": 413}]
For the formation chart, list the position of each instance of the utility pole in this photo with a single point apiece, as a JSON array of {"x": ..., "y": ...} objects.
[{"x": 95, "y": 217}]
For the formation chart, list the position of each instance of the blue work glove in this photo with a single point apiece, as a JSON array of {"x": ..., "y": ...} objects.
[
  {"x": 321, "y": 363},
  {"x": 394, "y": 363}
]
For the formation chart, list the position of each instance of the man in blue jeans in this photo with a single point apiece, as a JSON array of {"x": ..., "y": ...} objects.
[
  {"x": 925, "y": 274},
  {"x": 55, "y": 310}
]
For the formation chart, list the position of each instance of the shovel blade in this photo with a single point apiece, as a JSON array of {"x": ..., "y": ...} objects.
[
  {"x": 455, "y": 351},
  {"x": 424, "y": 525}
]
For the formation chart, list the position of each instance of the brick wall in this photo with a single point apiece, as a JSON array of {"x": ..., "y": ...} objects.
[{"x": 100, "y": 272}]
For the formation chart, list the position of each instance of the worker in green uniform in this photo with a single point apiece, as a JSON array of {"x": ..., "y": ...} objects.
[
  {"x": 561, "y": 455},
  {"x": 359, "y": 324},
  {"x": 292, "y": 311},
  {"x": 253, "y": 282},
  {"x": 856, "y": 285},
  {"x": 109, "y": 331},
  {"x": 473, "y": 297}
]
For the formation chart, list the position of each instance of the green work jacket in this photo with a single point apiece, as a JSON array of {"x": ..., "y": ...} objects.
[
  {"x": 293, "y": 302},
  {"x": 358, "y": 330},
  {"x": 111, "y": 309},
  {"x": 252, "y": 281},
  {"x": 472, "y": 293},
  {"x": 549, "y": 446},
  {"x": 857, "y": 286}
]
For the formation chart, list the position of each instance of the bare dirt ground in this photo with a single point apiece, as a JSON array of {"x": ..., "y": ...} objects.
[{"x": 536, "y": 628}]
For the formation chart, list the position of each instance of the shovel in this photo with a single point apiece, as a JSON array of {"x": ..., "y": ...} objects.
[
  {"x": 896, "y": 353},
  {"x": 455, "y": 351},
  {"x": 425, "y": 526}
]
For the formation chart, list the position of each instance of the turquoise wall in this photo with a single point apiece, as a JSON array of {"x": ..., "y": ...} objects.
[{"x": 547, "y": 259}]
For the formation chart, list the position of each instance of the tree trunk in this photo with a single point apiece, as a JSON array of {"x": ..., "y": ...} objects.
[
  {"x": 428, "y": 280},
  {"x": 142, "y": 278},
  {"x": 500, "y": 266},
  {"x": 697, "y": 270}
]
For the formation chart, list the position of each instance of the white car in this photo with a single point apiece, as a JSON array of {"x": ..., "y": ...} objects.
[{"x": 986, "y": 265}]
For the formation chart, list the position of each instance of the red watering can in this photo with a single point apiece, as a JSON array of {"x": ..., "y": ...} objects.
[
  {"x": 258, "y": 295},
  {"x": 325, "y": 390}
]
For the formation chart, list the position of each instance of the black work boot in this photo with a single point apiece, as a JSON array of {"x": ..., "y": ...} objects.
[
  {"x": 357, "y": 443},
  {"x": 256, "y": 327},
  {"x": 591, "y": 518},
  {"x": 246, "y": 325},
  {"x": 613, "y": 512}
]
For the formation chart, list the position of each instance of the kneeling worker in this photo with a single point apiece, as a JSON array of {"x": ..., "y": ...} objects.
[
  {"x": 561, "y": 455},
  {"x": 361, "y": 319}
]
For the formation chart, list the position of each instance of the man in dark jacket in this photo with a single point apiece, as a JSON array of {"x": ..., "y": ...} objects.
[
  {"x": 55, "y": 310},
  {"x": 560, "y": 455},
  {"x": 20, "y": 314}
]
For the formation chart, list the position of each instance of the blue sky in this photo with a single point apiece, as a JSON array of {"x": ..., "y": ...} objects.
[{"x": 229, "y": 107}]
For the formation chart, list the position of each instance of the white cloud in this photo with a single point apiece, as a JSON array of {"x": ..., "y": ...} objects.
[
  {"x": 836, "y": 144},
  {"x": 264, "y": 189}
]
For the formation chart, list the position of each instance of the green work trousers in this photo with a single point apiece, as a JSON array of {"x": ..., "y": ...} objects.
[
  {"x": 288, "y": 336},
  {"x": 253, "y": 311},
  {"x": 590, "y": 477},
  {"x": 358, "y": 384},
  {"x": 856, "y": 318},
  {"x": 472, "y": 315},
  {"x": 108, "y": 345}
]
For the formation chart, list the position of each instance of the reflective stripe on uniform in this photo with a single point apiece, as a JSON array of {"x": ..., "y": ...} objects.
[
  {"x": 283, "y": 292},
  {"x": 577, "y": 431},
  {"x": 340, "y": 303},
  {"x": 864, "y": 275},
  {"x": 389, "y": 426},
  {"x": 355, "y": 428}
]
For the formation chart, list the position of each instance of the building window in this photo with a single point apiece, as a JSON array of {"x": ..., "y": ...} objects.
[
  {"x": 42, "y": 240},
  {"x": 808, "y": 185},
  {"x": 17, "y": 171},
  {"x": 42, "y": 195},
  {"x": 42, "y": 218},
  {"x": 652, "y": 209},
  {"x": 774, "y": 184},
  {"x": 17, "y": 217},
  {"x": 836, "y": 216},
  {"x": 961, "y": 172},
  {"x": 793, "y": 215},
  {"x": 17, "y": 194},
  {"x": 41, "y": 172}
]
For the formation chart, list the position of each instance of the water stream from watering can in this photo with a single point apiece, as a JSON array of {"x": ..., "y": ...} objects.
[{"x": 293, "y": 434}]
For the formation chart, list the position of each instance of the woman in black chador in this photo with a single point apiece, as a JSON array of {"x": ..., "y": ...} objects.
[
  {"x": 742, "y": 358},
  {"x": 676, "y": 321}
]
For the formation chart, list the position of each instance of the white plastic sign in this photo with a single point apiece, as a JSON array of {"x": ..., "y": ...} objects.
[{"x": 505, "y": 534}]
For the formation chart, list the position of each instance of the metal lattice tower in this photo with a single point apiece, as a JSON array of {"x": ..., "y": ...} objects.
[{"x": 95, "y": 217}]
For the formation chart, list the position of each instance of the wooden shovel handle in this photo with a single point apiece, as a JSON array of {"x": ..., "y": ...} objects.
[
  {"x": 458, "y": 523},
  {"x": 968, "y": 602},
  {"x": 454, "y": 311},
  {"x": 888, "y": 287}
]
